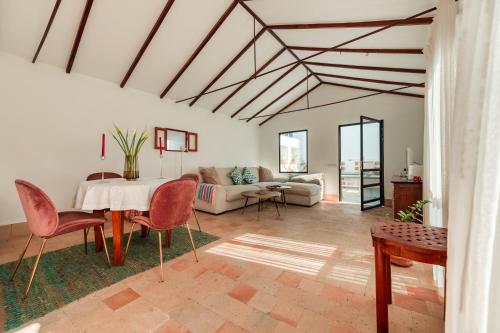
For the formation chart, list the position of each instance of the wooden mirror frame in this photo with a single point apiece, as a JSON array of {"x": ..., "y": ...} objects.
[
  {"x": 189, "y": 136},
  {"x": 164, "y": 133}
]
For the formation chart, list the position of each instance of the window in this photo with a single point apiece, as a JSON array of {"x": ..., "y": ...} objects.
[{"x": 293, "y": 152}]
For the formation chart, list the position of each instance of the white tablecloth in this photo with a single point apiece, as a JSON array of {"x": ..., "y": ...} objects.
[{"x": 117, "y": 194}]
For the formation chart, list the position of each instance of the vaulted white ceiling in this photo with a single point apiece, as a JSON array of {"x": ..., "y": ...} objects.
[{"x": 116, "y": 29}]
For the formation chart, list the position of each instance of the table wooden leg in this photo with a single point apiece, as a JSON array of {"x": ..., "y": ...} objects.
[
  {"x": 246, "y": 202},
  {"x": 97, "y": 232},
  {"x": 168, "y": 238},
  {"x": 144, "y": 231},
  {"x": 117, "y": 221},
  {"x": 388, "y": 278},
  {"x": 381, "y": 289}
]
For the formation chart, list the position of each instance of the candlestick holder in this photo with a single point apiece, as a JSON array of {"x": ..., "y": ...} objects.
[
  {"x": 102, "y": 181},
  {"x": 161, "y": 167}
]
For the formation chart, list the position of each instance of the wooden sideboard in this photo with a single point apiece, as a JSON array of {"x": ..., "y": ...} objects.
[{"x": 406, "y": 193}]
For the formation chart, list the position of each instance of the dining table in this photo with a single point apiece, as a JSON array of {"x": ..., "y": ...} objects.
[{"x": 117, "y": 195}]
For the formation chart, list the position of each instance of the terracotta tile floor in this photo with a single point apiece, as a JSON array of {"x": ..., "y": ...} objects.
[{"x": 309, "y": 271}]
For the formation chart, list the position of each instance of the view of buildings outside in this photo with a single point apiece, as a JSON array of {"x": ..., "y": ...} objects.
[
  {"x": 293, "y": 151},
  {"x": 350, "y": 161}
]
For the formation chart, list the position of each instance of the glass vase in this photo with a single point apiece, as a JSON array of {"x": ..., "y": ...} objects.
[{"x": 131, "y": 168}]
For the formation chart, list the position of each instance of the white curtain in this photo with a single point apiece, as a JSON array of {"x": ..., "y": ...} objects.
[
  {"x": 440, "y": 91},
  {"x": 473, "y": 273}
]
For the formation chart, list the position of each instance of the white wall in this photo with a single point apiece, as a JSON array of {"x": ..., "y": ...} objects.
[
  {"x": 403, "y": 123},
  {"x": 51, "y": 125}
]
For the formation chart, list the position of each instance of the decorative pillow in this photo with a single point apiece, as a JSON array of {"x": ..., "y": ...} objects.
[
  {"x": 265, "y": 175},
  {"x": 236, "y": 176},
  {"x": 209, "y": 175},
  {"x": 248, "y": 176}
]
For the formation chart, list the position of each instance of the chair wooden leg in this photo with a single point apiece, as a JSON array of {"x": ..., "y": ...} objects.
[
  {"x": 161, "y": 256},
  {"x": 192, "y": 241},
  {"x": 128, "y": 242},
  {"x": 105, "y": 245},
  {"x": 21, "y": 258},
  {"x": 196, "y": 218},
  {"x": 85, "y": 233},
  {"x": 34, "y": 268}
]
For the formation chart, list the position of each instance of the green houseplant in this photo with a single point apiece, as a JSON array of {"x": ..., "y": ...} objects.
[
  {"x": 414, "y": 214},
  {"x": 131, "y": 146}
]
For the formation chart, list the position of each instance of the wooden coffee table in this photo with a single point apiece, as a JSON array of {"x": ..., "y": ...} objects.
[
  {"x": 281, "y": 189},
  {"x": 261, "y": 196}
]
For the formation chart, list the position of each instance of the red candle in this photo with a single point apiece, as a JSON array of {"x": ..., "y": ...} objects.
[
  {"x": 161, "y": 148},
  {"x": 103, "y": 146}
]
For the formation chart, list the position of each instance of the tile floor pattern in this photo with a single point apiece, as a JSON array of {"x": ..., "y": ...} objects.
[{"x": 309, "y": 271}]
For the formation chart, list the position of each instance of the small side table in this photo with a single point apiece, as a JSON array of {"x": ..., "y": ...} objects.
[
  {"x": 407, "y": 240},
  {"x": 261, "y": 196},
  {"x": 281, "y": 189}
]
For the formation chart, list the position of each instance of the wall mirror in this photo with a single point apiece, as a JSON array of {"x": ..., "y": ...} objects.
[
  {"x": 192, "y": 142},
  {"x": 176, "y": 140}
]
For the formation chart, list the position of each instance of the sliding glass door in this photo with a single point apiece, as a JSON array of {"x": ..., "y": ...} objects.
[{"x": 372, "y": 162}]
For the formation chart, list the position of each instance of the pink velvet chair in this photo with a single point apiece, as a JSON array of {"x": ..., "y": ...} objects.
[
  {"x": 171, "y": 206},
  {"x": 196, "y": 178},
  {"x": 45, "y": 222}
]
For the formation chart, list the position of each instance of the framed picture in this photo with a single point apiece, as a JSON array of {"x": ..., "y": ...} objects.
[{"x": 192, "y": 141}]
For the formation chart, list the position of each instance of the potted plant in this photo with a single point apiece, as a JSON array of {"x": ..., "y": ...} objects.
[
  {"x": 414, "y": 214},
  {"x": 131, "y": 146}
]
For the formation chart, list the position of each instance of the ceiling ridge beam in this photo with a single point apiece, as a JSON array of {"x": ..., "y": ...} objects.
[
  {"x": 361, "y": 24},
  {"x": 47, "y": 29},
  {"x": 280, "y": 96},
  {"x": 148, "y": 40},
  {"x": 229, "y": 65},
  {"x": 376, "y": 90},
  {"x": 245, "y": 82},
  {"x": 79, "y": 34},
  {"x": 264, "y": 90},
  {"x": 370, "y": 68},
  {"x": 290, "y": 104},
  {"x": 200, "y": 47},
  {"x": 349, "y": 50},
  {"x": 396, "y": 83}
]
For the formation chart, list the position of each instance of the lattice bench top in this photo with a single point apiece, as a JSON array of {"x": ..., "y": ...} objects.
[{"x": 412, "y": 235}]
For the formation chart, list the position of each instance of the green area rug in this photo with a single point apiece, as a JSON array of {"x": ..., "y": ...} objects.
[{"x": 66, "y": 275}]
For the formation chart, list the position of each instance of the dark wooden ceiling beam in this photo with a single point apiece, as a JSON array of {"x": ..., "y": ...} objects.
[
  {"x": 47, "y": 29},
  {"x": 396, "y": 83},
  {"x": 148, "y": 40},
  {"x": 290, "y": 104},
  {"x": 244, "y": 83},
  {"x": 369, "y": 68},
  {"x": 79, "y": 34},
  {"x": 256, "y": 17},
  {"x": 200, "y": 47},
  {"x": 373, "y": 89},
  {"x": 280, "y": 97},
  {"x": 229, "y": 65},
  {"x": 269, "y": 86},
  {"x": 363, "y": 24},
  {"x": 346, "y": 50}
]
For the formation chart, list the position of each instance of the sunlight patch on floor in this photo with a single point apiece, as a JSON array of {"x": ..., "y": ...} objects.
[
  {"x": 287, "y": 244},
  {"x": 305, "y": 265},
  {"x": 353, "y": 274}
]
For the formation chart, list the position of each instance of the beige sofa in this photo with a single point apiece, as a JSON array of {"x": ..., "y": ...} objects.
[{"x": 306, "y": 190}]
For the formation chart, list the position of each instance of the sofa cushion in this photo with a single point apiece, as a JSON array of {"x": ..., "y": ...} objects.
[
  {"x": 265, "y": 175},
  {"x": 210, "y": 175},
  {"x": 233, "y": 192},
  {"x": 303, "y": 189},
  {"x": 236, "y": 176},
  {"x": 248, "y": 176}
]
